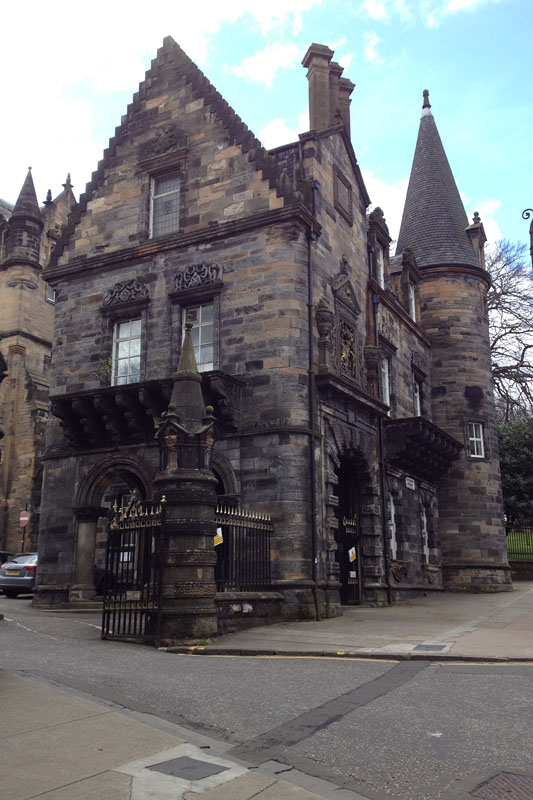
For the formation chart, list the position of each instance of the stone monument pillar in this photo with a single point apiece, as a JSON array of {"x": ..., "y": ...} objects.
[{"x": 185, "y": 436}]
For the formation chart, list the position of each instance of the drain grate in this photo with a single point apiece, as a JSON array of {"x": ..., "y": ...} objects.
[
  {"x": 506, "y": 786},
  {"x": 192, "y": 769}
]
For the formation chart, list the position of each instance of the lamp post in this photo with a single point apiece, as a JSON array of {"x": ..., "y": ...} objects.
[{"x": 526, "y": 215}]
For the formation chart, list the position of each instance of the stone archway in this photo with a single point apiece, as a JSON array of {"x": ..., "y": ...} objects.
[
  {"x": 352, "y": 492},
  {"x": 109, "y": 478}
]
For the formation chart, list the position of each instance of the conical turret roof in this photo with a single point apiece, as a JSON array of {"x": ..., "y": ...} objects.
[
  {"x": 27, "y": 205},
  {"x": 434, "y": 219}
]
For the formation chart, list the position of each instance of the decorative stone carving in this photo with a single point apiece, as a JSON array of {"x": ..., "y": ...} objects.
[
  {"x": 324, "y": 319},
  {"x": 197, "y": 275},
  {"x": 348, "y": 349},
  {"x": 418, "y": 361},
  {"x": 165, "y": 138},
  {"x": 125, "y": 292}
]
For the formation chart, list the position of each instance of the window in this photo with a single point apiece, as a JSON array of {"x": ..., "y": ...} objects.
[
  {"x": 424, "y": 533},
  {"x": 165, "y": 204},
  {"x": 476, "y": 446},
  {"x": 202, "y": 334},
  {"x": 380, "y": 267},
  {"x": 50, "y": 294},
  {"x": 343, "y": 196},
  {"x": 391, "y": 520},
  {"x": 126, "y": 361},
  {"x": 417, "y": 398},
  {"x": 412, "y": 301},
  {"x": 385, "y": 381}
]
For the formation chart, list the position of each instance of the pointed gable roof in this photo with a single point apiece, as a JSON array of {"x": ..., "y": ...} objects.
[
  {"x": 239, "y": 133},
  {"x": 27, "y": 206},
  {"x": 434, "y": 219}
]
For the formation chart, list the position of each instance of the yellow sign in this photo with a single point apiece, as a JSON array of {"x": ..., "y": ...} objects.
[
  {"x": 352, "y": 555},
  {"x": 218, "y": 538}
]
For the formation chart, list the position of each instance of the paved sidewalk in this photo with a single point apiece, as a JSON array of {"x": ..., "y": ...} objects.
[
  {"x": 443, "y": 626},
  {"x": 57, "y": 744}
]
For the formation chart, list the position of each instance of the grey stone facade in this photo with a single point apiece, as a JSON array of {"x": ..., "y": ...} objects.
[{"x": 320, "y": 341}]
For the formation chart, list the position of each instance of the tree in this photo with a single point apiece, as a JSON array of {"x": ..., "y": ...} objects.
[
  {"x": 516, "y": 447},
  {"x": 510, "y": 304}
]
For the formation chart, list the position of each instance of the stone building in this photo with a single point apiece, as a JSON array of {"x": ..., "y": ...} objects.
[
  {"x": 351, "y": 388},
  {"x": 27, "y": 236}
]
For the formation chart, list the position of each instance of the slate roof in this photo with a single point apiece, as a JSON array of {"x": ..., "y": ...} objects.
[
  {"x": 27, "y": 205},
  {"x": 434, "y": 219}
]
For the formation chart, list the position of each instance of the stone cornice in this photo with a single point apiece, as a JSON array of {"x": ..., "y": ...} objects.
[
  {"x": 437, "y": 270},
  {"x": 153, "y": 247},
  {"x": 37, "y": 339}
]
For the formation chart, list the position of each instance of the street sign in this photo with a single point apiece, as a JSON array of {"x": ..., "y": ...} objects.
[{"x": 24, "y": 519}]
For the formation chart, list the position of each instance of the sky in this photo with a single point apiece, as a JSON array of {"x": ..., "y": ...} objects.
[{"x": 70, "y": 70}]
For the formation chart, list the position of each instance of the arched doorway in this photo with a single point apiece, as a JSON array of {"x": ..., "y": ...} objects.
[
  {"x": 111, "y": 480},
  {"x": 348, "y": 536}
]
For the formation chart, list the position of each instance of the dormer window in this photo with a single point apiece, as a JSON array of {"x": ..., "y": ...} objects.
[{"x": 165, "y": 205}]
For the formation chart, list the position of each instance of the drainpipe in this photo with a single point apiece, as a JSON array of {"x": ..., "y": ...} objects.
[
  {"x": 311, "y": 237},
  {"x": 385, "y": 545}
]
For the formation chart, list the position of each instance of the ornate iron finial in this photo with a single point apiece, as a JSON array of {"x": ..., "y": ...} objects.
[
  {"x": 426, "y": 103},
  {"x": 48, "y": 200},
  {"x": 526, "y": 215}
]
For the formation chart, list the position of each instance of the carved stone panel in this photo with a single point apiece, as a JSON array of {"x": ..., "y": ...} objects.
[
  {"x": 196, "y": 276},
  {"x": 125, "y": 292}
]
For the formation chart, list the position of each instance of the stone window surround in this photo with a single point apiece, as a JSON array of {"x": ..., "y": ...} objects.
[
  {"x": 157, "y": 167},
  {"x": 115, "y": 351},
  {"x": 340, "y": 185},
  {"x": 122, "y": 312},
  {"x": 484, "y": 456},
  {"x": 178, "y": 191},
  {"x": 180, "y": 303}
]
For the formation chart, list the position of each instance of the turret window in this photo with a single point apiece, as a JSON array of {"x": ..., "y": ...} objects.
[
  {"x": 476, "y": 443},
  {"x": 380, "y": 267},
  {"x": 412, "y": 301},
  {"x": 385, "y": 381}
]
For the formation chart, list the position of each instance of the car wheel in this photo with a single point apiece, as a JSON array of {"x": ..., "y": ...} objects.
[{"x": 10, "y": 593}]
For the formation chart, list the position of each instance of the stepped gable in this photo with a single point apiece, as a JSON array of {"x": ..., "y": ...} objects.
[
  {"x": 238, "y": 131},
  {"x": 434, "y": 219}
]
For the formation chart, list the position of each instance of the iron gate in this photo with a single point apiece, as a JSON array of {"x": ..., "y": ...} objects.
[{"x": 132, "y": 582}]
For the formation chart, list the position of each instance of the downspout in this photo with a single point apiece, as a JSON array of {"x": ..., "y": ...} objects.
[
  {"x": 311, "y": 237},
  {"x": 385, "y": 545}
]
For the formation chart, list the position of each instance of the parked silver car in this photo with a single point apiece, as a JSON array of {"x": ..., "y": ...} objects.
[{"x": 18, "y": 575}]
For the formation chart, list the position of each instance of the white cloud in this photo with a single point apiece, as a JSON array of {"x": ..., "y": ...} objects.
[
  {"x": 278, "y": 131},
  {"x": 346, "y": 60},
  {"x": 390, "y": 197},
  {"x": 263, "y": 65},
  {"x": 371, "y": 54},
  {"x": 375, "y": 9},
  {"x": 487, "y": 211}
]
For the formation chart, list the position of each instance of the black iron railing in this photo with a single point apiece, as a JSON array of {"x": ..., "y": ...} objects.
[
  {"x": 520, "y": 542},
  {"x": 242, "y": 545}
]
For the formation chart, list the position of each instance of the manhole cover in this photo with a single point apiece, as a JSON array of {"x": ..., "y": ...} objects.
[
  {"x": 506, "y": 786},
  {"x": 192, "y": 769}
]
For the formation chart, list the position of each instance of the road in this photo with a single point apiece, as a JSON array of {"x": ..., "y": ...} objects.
[{"x": 385, "y": 729}]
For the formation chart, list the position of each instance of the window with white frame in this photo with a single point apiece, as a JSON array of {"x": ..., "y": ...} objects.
[
  {"x": 50, "y": 294},
  {"x": 126, "y": 360},
  {"x": 476, "y": 444},
  {"x": 391, "y": 522},
  {"x": 424, "y": 533},
  {"x": 412, "y": 301},
  {"x": 417, "y": 397},
  {"x": 165, "y": 204},
  {"x": 380, "y": 267},
  {"x": 202, "y": 334},
  {"x": 385, "y": 380}
]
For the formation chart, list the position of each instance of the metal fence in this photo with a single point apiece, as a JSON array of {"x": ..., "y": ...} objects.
[
  {"x": 242, "y": 545},
  {"x": 519, "y": 542}
]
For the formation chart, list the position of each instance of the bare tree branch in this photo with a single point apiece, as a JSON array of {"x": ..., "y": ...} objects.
[{"x": 510, "y": 304}]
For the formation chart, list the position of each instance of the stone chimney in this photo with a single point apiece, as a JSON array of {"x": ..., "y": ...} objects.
[{"x": 329, "y": 93}]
